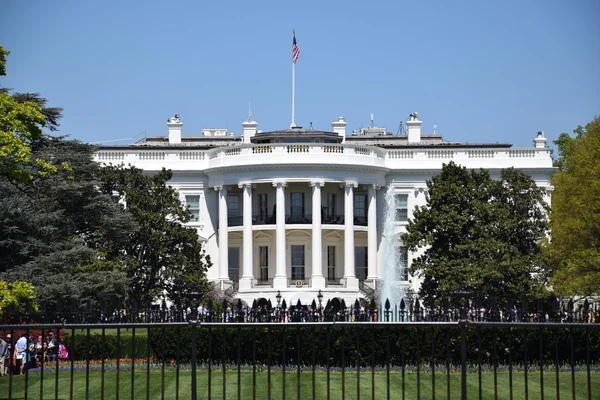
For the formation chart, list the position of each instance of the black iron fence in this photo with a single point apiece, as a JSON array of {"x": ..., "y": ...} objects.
[
  {"x": 383, "y": 360},
  {"x": 335, "y": 310}
]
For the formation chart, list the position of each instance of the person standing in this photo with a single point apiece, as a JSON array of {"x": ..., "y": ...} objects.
[
  {"x": 4, "y": 356},
  {"x": 40, "y": 351},
  {"x": 52, "y": 348},
  {"x": 31, "y": 361},
  {"x": 21, "y": 353}
]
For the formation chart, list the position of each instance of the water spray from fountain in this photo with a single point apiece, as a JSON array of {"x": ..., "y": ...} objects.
[{"x": 393, "y": 285}]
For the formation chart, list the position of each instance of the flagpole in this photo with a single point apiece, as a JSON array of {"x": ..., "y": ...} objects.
[{"x": 293, "y": 86}]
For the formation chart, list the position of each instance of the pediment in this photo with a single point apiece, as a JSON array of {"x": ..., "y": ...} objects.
[{"x": 262, "y": 235}]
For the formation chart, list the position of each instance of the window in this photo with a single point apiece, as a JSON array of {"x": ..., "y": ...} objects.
[
  {"x": 297, "y": 204},
  {"x": 331, "y": 198},
  {"x": 233, "y": 210},
  {"x": 360, "y": 209},
  {"x": 330, "y": 263},
  {"x": 193, "y": 203},
  {"x": 234, "y": 263},
  {"x": 233, "y": 205},
  {"x": 401, "y": 263},
  {"x": 401, "y": 201},
  {"x": 297, "y": 262},
  {"x": 263, "y": 255},
  {"x": 263, "y": 207},
  {"x": 297, "y": 208},
  {"x": 360, "y": 262}
]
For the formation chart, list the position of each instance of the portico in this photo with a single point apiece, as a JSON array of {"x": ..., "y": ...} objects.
[{"x": 311, "y": 228}]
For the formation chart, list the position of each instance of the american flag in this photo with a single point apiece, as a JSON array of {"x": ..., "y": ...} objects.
[{"x": 295, "y": 50}]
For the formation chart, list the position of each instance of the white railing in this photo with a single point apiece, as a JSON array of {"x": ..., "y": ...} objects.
[
  {"x": 192, "y": 155},
  {"x": 136, "y": 154},
  {"x": 279, "y": 153},
  {"x": 151, "y": 155},
  {"x": 521, "y": 153},
  {"x": 109, "y": 156},
  {"x": 440, "y": 154},
  {"x": 400, "y": 154},
  {"x": 308, "y": 148},
  {"x": 481, "y": 153},
  {"x": 423, "y": 158}
]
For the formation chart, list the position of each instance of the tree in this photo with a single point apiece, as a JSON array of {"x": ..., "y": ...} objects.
[
  {"x": 16, "y": 294},
  {"x": 59, "y": 232},
  {"x": 162, "y": 255},
  {"x": 3, "y": 54},
  {"x": 575, "y": 219},
  {"x": 479, "y": 235},
  {"x": 22, "y": 119}
]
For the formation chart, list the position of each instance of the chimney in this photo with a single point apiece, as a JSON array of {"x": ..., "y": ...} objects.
[
  {"x": 249, "y": 130},
  {"x": 540, "y": 141},
  {"x": 339, "y": 127},
  {"x": 413, "y": 127},
  {"x": 174, "y": 124}
]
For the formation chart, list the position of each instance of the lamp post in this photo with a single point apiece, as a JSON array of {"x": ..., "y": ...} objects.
[
  {"x": 278, "y": 297},
  {"x": 278, "y": 311},
  {"x": 320, "y": 297}
]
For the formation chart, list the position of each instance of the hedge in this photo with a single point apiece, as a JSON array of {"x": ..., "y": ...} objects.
[
  {"x": 368, "y": 344},
  {"x": 94, "y": 347}
]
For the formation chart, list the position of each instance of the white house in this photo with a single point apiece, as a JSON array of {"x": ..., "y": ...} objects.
[{"x": 298, "y": 211}]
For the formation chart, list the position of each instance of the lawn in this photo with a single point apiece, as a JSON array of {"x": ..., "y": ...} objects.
[{"x": 92, "y": 384}]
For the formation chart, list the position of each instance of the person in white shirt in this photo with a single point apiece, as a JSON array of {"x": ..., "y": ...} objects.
[{"x": 21, "y": 352}]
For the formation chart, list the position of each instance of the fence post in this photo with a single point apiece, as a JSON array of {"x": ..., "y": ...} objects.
[
  {"x": 463, "y": 346},
  {"x": 193, "y": 325}
]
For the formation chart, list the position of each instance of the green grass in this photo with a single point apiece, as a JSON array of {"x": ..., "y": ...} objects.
[
  {"x": 108, "y": 331},
  {"x": 306, "y": 389}
]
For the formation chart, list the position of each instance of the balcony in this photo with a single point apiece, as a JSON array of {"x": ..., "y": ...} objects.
[
  {"x": 235, "y": 220},
  {"x": 298, "y": 218},
  {"x": 361, "y": 221},
  {"x": 296, "y": 154},
  {"x": 263, "y": 219},
  {"x": 333, "y": 219},
  {"x": 153, "y": 159}
]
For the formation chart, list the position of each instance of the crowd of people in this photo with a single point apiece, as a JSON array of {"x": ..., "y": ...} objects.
[
  {"x": 26, "y": 352},
  {"x": 355, "y": 313},
  {"x": 262, "y": 310}
]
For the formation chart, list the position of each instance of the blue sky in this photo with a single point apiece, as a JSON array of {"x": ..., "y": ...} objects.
[{"x": 482, "y": 71}]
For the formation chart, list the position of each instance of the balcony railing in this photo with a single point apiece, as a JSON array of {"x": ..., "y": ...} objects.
[
  {"x": 264, "y": 282},
  {"x": 263, "y": 219},
  {"x": 295, "y": 219},
  {"x": 298, "y": 218},
  {"x": 361, "y": 221},
  {"x": 333, "y": 219},
  {"x": 334, "y": 153},
  {"x": 235, "y": 220}
]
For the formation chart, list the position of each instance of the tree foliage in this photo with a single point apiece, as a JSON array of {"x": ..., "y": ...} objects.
[
  {"x": 22, "y": 119},
  {"x": 59, "y": 232},
  {"x": 163, "y": 255},
  {"x": 3, "y": 54},
  {"x": 575, "y": 218},
  {"x": 16, "y": 295},
  {"x": 481, "y": 236}
]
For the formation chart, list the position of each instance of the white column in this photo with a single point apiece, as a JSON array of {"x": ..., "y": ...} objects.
[
  {"x": 349, "y": 275},
  {"x": 247, "y": 276},
  {"x": 280, "y": 278},
  {"x": 223, "y": 234},
  {"x": 317, "y": 278},
  {"x": 372, "y": 234}
]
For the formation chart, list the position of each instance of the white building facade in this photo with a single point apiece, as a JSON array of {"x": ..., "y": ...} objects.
[{"x": 295, "y": 212}]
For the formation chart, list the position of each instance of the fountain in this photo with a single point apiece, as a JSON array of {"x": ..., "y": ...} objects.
[{"x": 392, "y": 287}]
